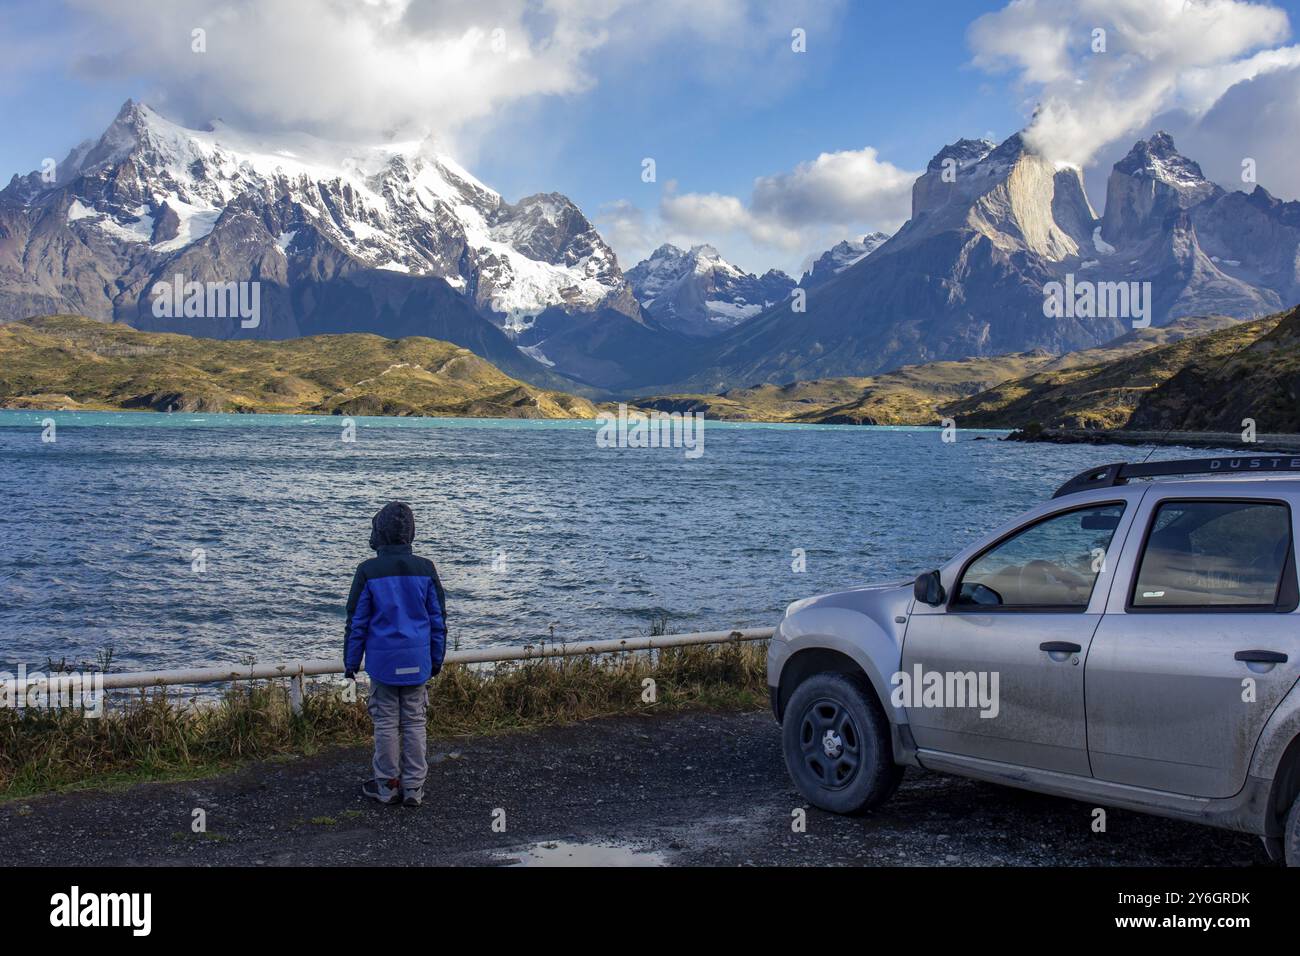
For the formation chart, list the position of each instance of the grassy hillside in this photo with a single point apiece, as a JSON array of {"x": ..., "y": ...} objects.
[
  {"x": 1167, "y": 382},
  {"x": 71, "y": 362},
  {"x": 1211, "y": 393},
  {"x": 915, "y": 394},
  {"x": 1149, "y": 379}
]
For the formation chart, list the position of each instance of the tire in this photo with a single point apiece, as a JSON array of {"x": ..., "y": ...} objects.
[
  {"x": 1291, "y": 836},
  {"x": 837, "y": 746}
]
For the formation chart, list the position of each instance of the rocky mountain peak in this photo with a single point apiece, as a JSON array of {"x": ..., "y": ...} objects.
[
  {"x": 965, "y": 152},
  {"x": 1009, "y": 150},
  {"x": 1147, "y": 186},
  {"x": 700, "y": 293},
  {"x": 1009, "y": 193},
  {"x": 1158, "y": 158},
  {"x": 666, "y": 251},
  {"x": 842, "y": 255},
  {"x": 549, "y": 227}
]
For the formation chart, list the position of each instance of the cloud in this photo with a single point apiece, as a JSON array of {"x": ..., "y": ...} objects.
[
  {"x": 847, "y": 186},
  {"x": 1255, "y": 119},
  {"x": 627, "y": 229},
  {"x": 375, "y": 68},
  {"x": 383, "y": 68},
  {"x": 818, "y": 202},
  {"x": 706, "y": 213},
  {"x": 1158, "y": 55}
]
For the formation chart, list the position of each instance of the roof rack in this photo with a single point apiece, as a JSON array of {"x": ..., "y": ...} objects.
[{"x": 1107, "y": 476}]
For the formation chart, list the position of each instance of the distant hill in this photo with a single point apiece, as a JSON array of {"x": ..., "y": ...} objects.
[
  {"x": 1200, "y": 374},
  {"x": 1207, "y": 382},
  {"x": 916, "y": 394},
  {"x": 72, "y": 362},
  {"x": 1262, "y": 382},
  {"x": 910, "y": 395}
]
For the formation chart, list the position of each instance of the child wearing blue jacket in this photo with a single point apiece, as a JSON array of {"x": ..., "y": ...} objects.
[{"x": 397, "y": 623}]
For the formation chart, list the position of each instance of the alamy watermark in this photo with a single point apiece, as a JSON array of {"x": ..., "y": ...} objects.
[
  {"x": 654, "y": 429},
  {"x": 69, "y": 689},
  {"x": 208, "y": 300},
  {"x": 129, "y": 910},
  {"x": 944, "y": 689},
  {"x": 1085, "y": 299}
]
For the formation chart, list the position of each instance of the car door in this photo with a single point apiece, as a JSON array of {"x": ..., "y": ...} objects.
[
  {"x": 1199, "y": 643},
  {"x": 1020, "y": 617}
]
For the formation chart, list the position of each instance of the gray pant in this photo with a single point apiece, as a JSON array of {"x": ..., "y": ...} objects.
[{"x": 398, "y": 714}]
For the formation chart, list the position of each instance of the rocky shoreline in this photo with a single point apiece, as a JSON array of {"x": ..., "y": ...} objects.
[{"x": 1217, "y": 440}]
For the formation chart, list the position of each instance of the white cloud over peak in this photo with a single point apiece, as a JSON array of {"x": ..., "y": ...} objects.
[
  {"x": 341, "y": 69},
  {"x": 1158, "y": 55},
  {"x": 355, "y": 69},
  {"x": 813, "y": 205}
]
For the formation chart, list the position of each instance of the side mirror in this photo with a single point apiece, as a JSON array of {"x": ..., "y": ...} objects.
[{"x": 929, "y": 589}]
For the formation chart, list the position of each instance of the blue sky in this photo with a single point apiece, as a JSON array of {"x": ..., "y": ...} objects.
[
  {"x": 710, "y": 89},
  {"x": 876, "y": 78}
]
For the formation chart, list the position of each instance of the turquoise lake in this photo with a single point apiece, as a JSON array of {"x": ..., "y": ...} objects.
[{"x": 185, "y": 539}]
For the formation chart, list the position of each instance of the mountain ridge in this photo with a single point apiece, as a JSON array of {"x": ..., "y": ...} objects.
[
  {"x": 992, "y": 227},
  {"x": 399, "y": 240}
]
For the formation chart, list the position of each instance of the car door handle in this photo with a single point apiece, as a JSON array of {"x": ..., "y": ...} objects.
[
  {"x": 1059, "y": 647},
  {"x": 1260, "y": 657}
]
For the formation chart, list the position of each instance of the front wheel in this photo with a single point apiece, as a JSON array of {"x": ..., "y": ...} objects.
[
  {"x": 1291, "y": 836},
  {"x": 836, "y": 743}
]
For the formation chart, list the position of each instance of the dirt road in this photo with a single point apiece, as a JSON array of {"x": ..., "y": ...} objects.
[{"x": 682, "y": 790}]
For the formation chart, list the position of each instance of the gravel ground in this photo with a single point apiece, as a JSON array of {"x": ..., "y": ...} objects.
[{"x": 686, "y": 789}]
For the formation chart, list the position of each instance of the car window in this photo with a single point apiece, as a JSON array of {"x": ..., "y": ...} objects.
[
  {"x": 1214, "y": 554},
  {"x": 1051, "y": 564}
]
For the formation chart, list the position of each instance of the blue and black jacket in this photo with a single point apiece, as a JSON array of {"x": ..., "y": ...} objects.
[{"x": 396, "y": 612}]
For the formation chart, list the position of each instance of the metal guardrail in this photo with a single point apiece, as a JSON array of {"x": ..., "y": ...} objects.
[{"x": 299, "y": 670}]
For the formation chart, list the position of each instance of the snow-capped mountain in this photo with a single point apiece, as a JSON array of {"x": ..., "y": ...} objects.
[
  {"x": 699, "y": 293},
  {"x": 151, "y": 199},
  {"x": 1148, "y": 185},
  {"x": 400, "y": 240},
  {"x": 1203, "y": 249},
  {"x": 993, "y": 227},
  {"x": 840, "y": 256}
]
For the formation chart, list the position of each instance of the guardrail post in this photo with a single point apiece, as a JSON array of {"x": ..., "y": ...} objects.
[{"x": 297, "y": 691}]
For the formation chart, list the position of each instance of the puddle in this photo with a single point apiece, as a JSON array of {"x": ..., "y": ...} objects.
[{"x": 560, "y": 853}]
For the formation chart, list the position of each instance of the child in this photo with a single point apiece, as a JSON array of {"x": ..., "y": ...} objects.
[{"x": 397, "y": 621}]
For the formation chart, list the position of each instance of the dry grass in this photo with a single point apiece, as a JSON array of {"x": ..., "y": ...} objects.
[
  {"x": 74, "y": 363},
  {"x": 157, "y": 735}
]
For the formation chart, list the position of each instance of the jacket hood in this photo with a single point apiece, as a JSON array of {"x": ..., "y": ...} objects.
[{"x": 394, "y": 524}]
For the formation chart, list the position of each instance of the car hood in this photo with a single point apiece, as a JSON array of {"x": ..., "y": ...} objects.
[{"x": 865, "y": 599}]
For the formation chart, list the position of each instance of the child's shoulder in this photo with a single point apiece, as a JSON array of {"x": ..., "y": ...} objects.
[{"x": 381, "y": 564}]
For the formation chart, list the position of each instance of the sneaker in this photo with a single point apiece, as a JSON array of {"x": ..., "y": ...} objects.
[
  {"x": 413, "y": 798},
  {"x": 371, "y": 789}
]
